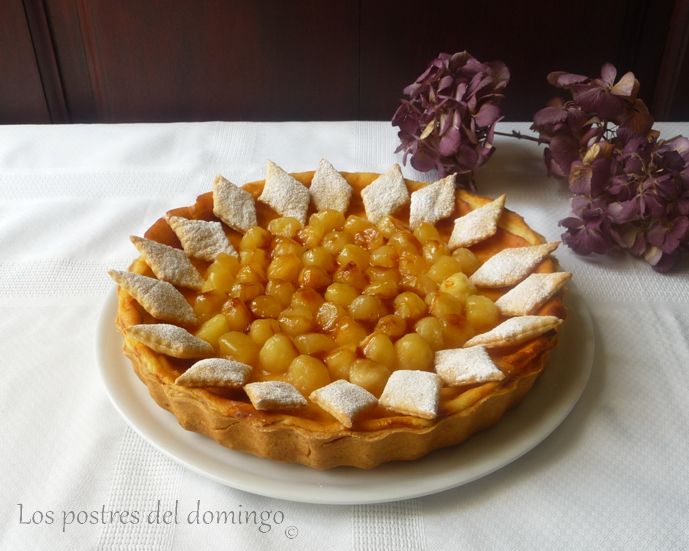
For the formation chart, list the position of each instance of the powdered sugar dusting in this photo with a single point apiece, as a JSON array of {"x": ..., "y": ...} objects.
[
  {"x": 159, "y": 298},
  {"x": 284, "y": 194},
  {"x": 464, "y": 366},
  {"x": 170, "y": 340},
  {"x": 514, "y": 331},
  {"x": 200, "y": 238},
  {"x": 215, "y": 372},
  {"x": 343, "y": 400},
  {"x": 168, "y": 263},
  {"x": 233, "y": 205},
  {"x": 531, "y": 293},
  {"x": 412, "y": 393},
  {"x": 329, "y": 189},
  {"x": 274, "y": 395},
  {"x": 432, "y": 202},
  {"x": 510, "y": 266},
  {"x": 477, "y": 225},
  {"x": 385, "y": 194}
]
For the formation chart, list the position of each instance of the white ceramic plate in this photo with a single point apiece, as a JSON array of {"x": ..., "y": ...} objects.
[{"x": 545, "y": 407}]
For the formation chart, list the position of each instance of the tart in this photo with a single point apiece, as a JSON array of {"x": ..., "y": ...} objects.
[{"x": 331, "y": 318}]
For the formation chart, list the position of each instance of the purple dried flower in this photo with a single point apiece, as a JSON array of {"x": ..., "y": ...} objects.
[
  {"x": 588, "y": 235},
  {"x": 630, "y": 189},
  {"x": 642, "y": 207},
  {"x": 447, "y": 118},
  {"x": 598, "y": 107},
  {"x": 610, "y": 101}
]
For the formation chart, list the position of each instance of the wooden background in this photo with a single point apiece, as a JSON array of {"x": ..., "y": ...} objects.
[{"x": 192, "y": 60}]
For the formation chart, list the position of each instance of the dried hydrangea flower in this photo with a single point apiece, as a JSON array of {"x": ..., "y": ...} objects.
[
  {"x": 448, "y": 114},
  {"x": 597, "y": 107},
  {"x": 632, "y": 194},
  {"x": 630, "y": 188}
]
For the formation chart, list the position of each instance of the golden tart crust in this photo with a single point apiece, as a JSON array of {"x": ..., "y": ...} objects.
[{"x": 311, "y": 436}]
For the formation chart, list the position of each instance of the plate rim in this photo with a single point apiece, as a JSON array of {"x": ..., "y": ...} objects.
[{"x": 109, "y": 340}]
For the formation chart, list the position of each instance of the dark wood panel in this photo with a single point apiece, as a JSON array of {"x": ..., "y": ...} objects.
[
  {"x": 163, "y": 60},
  {"x": 42, "y": 39},
  {"x": 532, "y": 38},
  {"x": 679, "y": 109},
  {"x": 672, "y": 97},
  {"x": 178, "y": 60},
  {"x": 21, "y": 92},
  {"x": 69, "y": 50}
]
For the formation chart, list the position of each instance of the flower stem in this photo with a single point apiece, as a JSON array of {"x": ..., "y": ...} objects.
[{"x": 519, "y": 136}]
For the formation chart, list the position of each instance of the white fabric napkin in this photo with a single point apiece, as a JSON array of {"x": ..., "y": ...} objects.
[{"x": 612, "y": 476}]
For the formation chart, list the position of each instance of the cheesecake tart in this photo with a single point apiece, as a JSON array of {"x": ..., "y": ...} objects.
[{"x": 340, "y": 319}]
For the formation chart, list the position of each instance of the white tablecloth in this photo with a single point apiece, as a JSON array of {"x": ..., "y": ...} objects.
[{"x": 613, "y": 476}]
